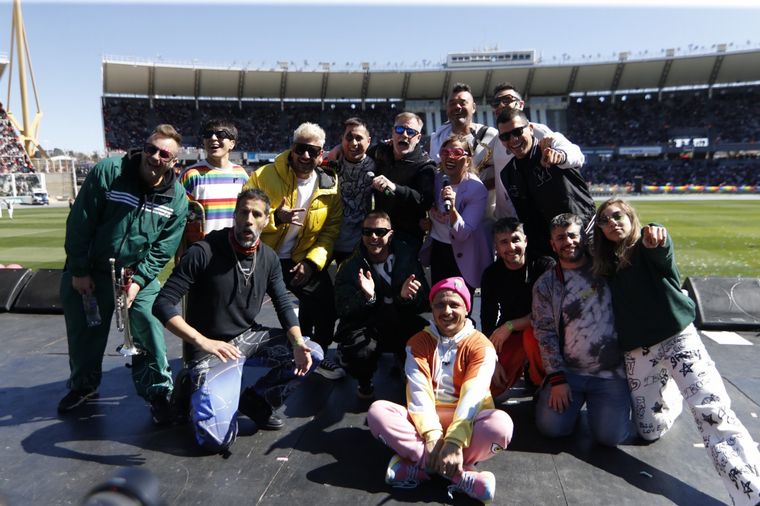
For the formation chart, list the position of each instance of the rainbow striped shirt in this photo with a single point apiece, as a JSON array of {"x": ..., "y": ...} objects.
[{"x": 216, "y": 189}]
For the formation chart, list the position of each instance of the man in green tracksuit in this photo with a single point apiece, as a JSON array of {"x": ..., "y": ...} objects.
[{"x": 132, "y": 209}]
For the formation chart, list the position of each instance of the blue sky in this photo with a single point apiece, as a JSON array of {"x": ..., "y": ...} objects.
[{"x": 68, "y": 40}]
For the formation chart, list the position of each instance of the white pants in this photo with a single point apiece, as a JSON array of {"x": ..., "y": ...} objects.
[{"x": 678, "y": 368}]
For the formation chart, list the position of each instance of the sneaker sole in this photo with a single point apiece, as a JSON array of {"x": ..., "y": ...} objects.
[{"x": 331, "y": 375}]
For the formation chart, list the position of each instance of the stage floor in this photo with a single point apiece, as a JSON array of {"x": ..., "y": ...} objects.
[{"x": 325, "y": 454}]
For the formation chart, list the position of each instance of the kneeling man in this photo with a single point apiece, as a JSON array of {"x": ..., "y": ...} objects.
[{"x": 225, "y": 277}]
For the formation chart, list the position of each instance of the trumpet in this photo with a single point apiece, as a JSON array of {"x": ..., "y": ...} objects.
[{"x": 120, "y": 285}]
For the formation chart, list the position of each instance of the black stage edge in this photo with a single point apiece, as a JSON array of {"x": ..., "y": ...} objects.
[{"x": 325, "y": 454}]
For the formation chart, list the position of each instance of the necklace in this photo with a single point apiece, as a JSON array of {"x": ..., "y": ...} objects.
[{"x": 246, "y": 273}]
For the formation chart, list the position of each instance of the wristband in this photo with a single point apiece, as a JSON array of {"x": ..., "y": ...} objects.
[
  {"x": 510, "y": 326},
  {"x": 556, "y": 378}
]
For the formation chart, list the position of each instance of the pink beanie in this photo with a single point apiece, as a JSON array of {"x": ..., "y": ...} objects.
[{"x": 454, "y": 284}]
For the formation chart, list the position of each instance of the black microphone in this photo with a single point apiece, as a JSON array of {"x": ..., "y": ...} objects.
[
  {"x": 444, "y": 183},
  {"x": 387, "y": 191}
]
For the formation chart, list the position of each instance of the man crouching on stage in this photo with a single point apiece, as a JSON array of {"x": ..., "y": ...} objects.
[{"x": 225, "y": 276}]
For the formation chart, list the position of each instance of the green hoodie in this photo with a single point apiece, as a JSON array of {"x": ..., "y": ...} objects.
[{"x": 116, "y": 215}]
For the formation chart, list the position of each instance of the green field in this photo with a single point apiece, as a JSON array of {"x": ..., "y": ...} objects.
[{"x": 712, "y": 237}]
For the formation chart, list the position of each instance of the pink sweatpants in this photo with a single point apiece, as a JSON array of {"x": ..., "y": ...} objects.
[{"x": 390, "y": 423}]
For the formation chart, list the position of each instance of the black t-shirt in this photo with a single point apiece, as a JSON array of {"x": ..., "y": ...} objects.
[{"x": 507, "y": 294}]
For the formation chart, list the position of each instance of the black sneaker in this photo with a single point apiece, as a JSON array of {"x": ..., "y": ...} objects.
[
  {"x": 74, "y": 399},
  {"x": 160, "y": 410},
  {"x": 179, "y": 401},
  {"x": 365, "y": 390},
  {"x": 330, "y": 370},
  {"x": 257, "y": 409}
]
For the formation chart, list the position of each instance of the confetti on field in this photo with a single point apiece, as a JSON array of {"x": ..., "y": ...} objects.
[{"x": 282, "y": 459}]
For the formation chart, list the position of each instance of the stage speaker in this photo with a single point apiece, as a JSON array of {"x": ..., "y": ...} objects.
[
  {"x": 12, "y": 281},
  {"x": 40, "y": 295},
  {"x": 725, "y": 303}
]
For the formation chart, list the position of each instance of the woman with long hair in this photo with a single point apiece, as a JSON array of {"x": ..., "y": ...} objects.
[
  {"x": 666, "y": 361},
  {"x": 458, "y": 244}
]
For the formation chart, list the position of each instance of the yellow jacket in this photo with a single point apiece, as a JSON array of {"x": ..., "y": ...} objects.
[{"x": 321, "y": 225}]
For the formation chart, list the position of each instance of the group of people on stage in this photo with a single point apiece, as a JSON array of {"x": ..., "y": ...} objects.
[{"x": 584, "y": 300}]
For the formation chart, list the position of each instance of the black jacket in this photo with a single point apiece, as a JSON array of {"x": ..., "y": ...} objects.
[
  {"x": 413, "y": 176},
  {"x": 539, "y": 194}
]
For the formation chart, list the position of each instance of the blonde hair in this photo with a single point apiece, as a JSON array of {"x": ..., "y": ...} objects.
[
  {"x": 610, "y": 256},
  {"x": 167, "y": 131},
  {"x": 309, "y": 131}
]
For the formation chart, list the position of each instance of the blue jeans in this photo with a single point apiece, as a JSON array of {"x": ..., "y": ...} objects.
[
  {"x": 216, "y": 384},
  {"x": 608, "y": 403}
]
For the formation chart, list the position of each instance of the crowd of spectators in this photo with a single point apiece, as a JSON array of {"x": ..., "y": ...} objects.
[
  {"x": 13, "y": 157},
  {"x": 678, "y": 171},
  {"x": 727, "y": 115},
  {"x": 262, "y": 126},
  {"x": 730, "y": 115}
]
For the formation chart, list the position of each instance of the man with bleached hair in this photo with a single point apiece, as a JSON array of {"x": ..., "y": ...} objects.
[{"x": 302, "y": 229}]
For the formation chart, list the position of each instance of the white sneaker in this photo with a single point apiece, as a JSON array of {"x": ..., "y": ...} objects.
[{"x": 330, "y": 370}]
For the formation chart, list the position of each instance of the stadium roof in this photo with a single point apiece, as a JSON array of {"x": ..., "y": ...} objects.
[{"x": 155, "y": 78}]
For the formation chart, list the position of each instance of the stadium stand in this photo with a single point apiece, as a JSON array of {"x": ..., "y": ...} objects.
[
  {"x": 13, "y": 157},
  {"x": 263, "y": 126},
  {"x": 672, "y": 119},
  {"x": 730, "y": 115}
]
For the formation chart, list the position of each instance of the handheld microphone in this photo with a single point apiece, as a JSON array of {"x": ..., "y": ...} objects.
[
  {"x": 387, "y": 191},
  {"x": 444, "y": 183}
]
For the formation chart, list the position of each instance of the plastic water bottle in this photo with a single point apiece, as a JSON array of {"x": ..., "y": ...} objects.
[{"x": 91, "y": 310}]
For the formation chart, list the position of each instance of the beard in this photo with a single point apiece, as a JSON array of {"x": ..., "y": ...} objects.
[{"x": 247, "y": 237}]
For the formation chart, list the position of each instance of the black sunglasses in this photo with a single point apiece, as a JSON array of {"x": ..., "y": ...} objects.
[
  {"x": 378, "y": 231},
  {"x": 517, "y": 132},
  {"x": 411, "y": 132},
  {"x": 503, "y": 100},
  {"x": 220, "y": 134},
  {"x": 151, "y": 150},
  {"x": 300, "y": 148}
]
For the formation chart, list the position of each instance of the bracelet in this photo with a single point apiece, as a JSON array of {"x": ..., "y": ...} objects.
[{"x": 509, "y": 326}]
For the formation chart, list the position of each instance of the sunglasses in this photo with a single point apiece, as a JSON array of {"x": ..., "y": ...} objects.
[
  {"x": 617, "y": 217},
  {"x": 504, "y": 100},
  {"x": 517, "y": 132},
  {"x": 411, "y": 132},
  {"x": 300, "y": 148},
  {"x": 220, "y": 134},
  {"x": 379, "y": 231},
  {"x": 163, "y": 154},
  {"x": 455, "y": 153}
]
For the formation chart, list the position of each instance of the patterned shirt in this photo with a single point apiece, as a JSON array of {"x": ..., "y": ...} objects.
[
  {"x": 356, "y": 193},
  {"x": 216, "y": 189}
]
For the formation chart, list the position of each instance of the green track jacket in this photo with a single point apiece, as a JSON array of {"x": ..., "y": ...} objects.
[{"x": 117, "y": 215}]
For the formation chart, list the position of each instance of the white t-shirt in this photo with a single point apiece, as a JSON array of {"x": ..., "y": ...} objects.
[{"x": 305, "y": 192}]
